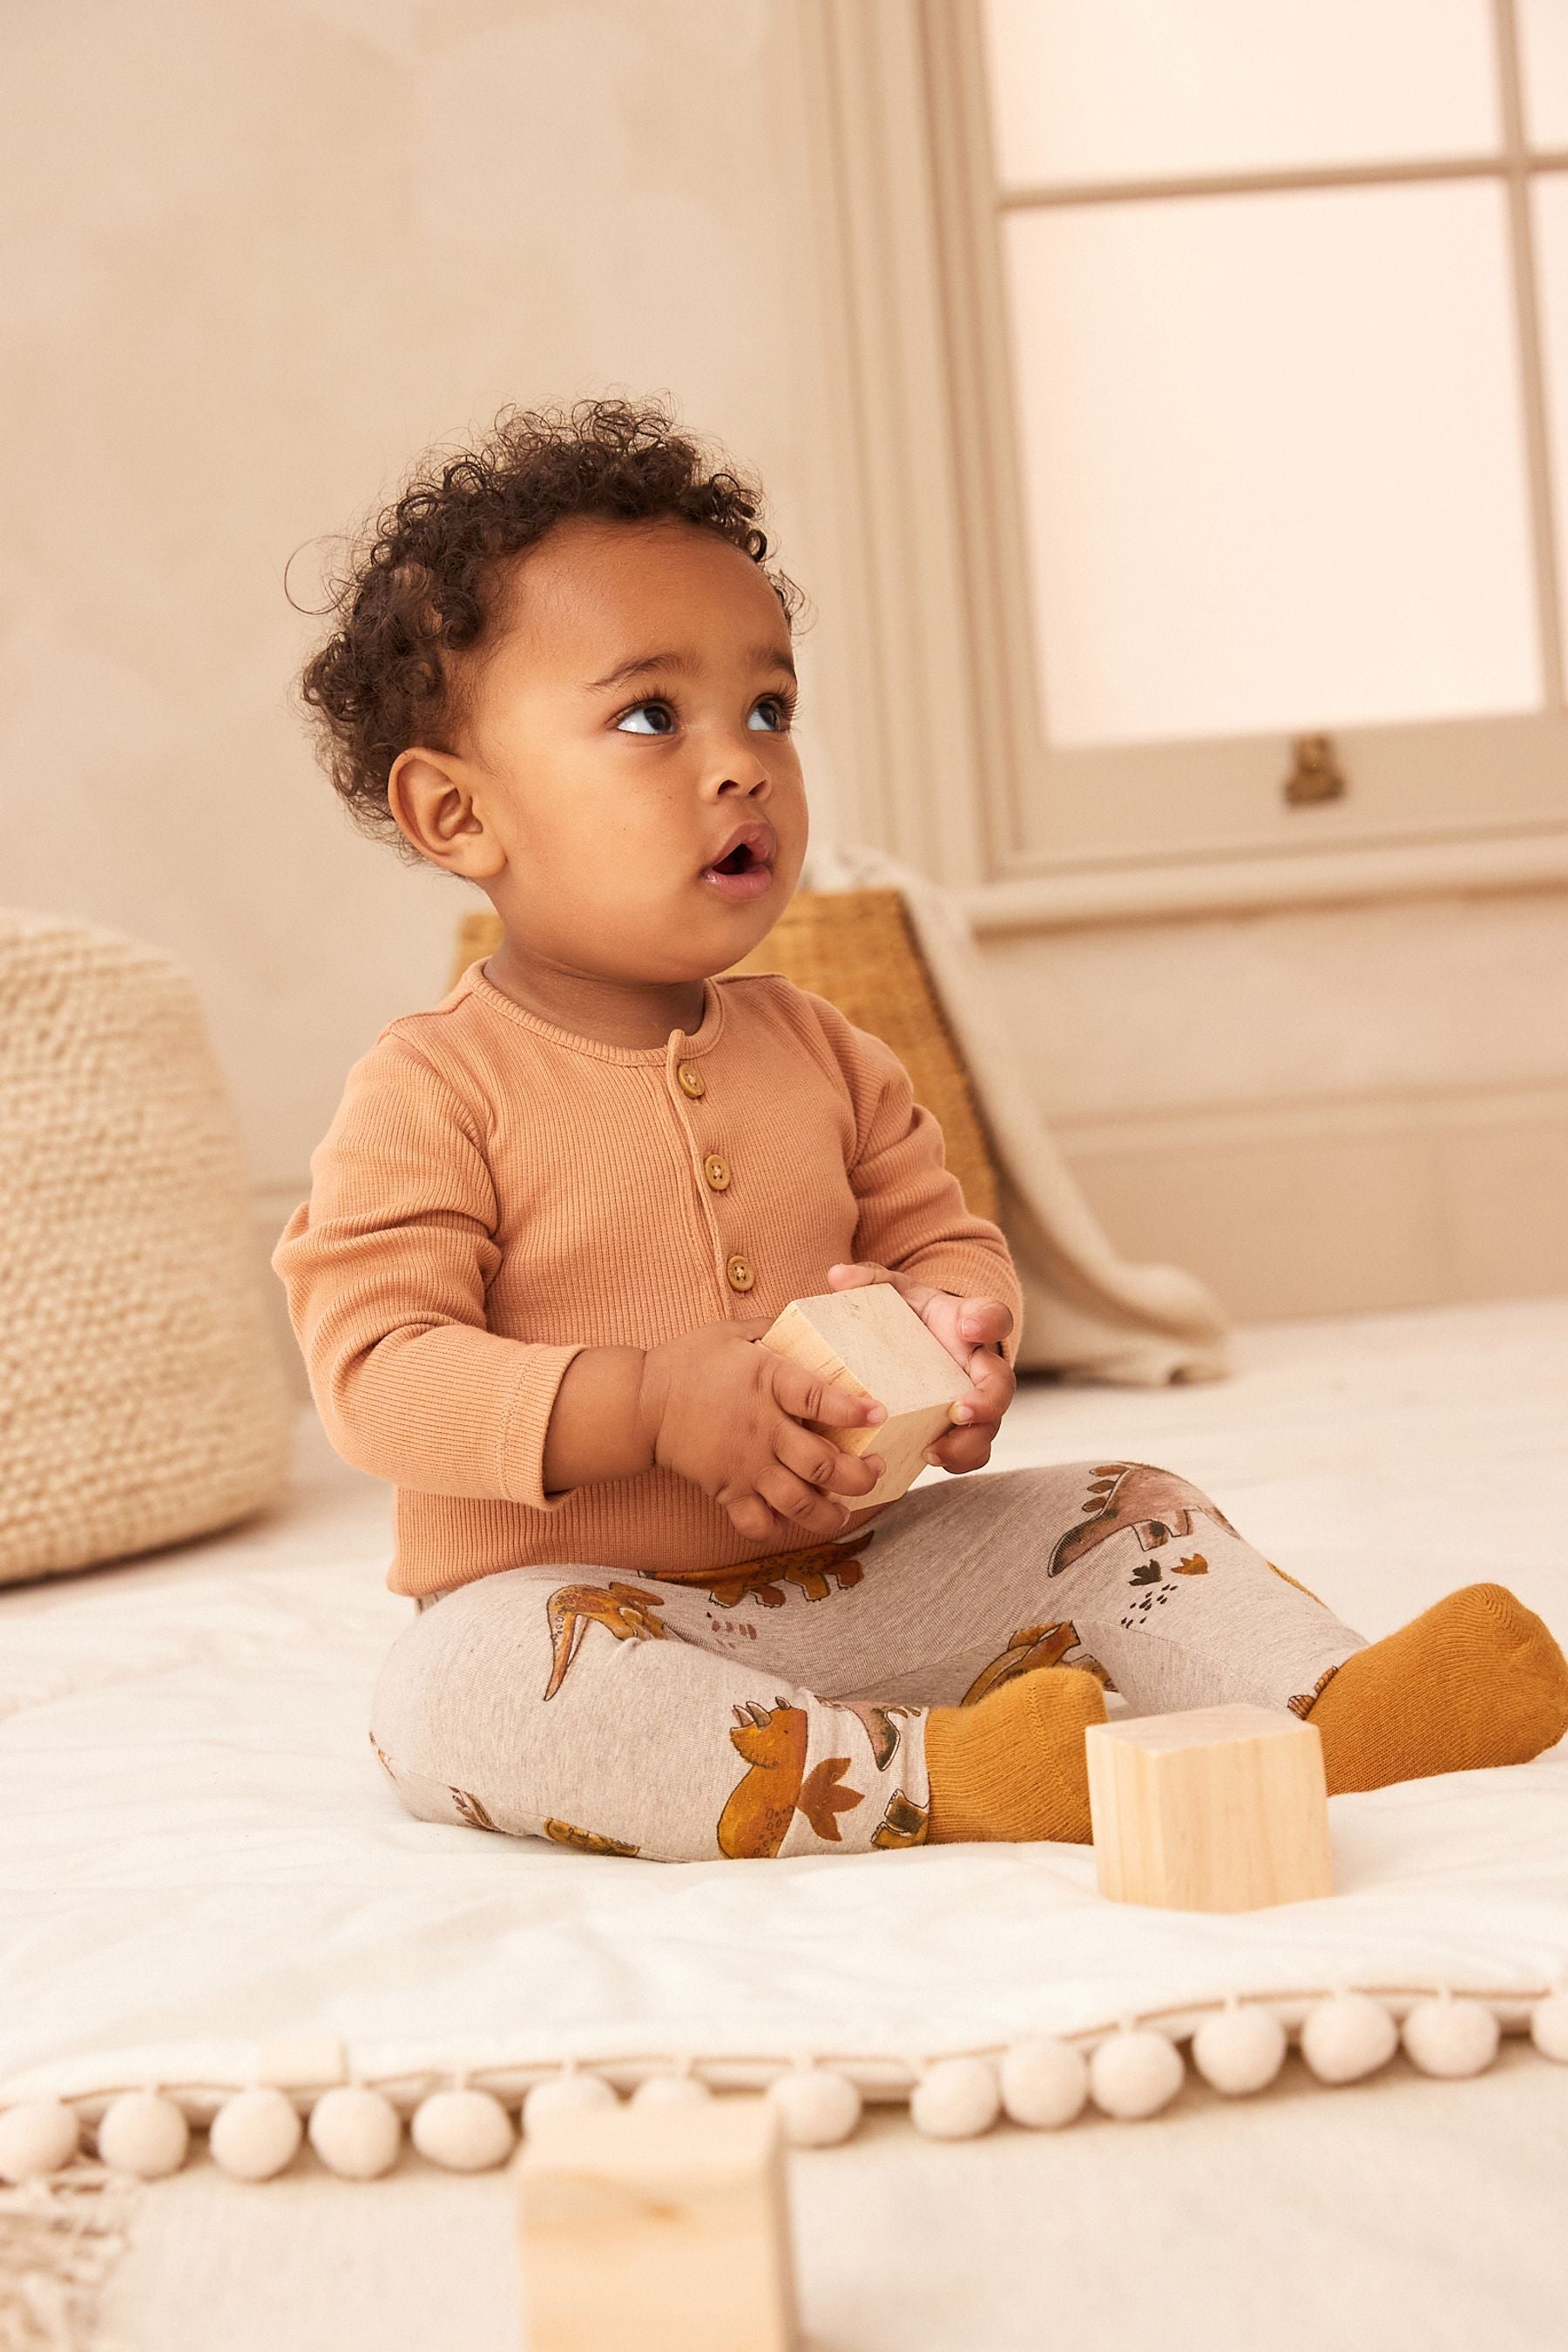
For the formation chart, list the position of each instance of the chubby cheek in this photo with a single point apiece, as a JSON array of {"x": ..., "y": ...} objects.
[
  {"x": 581, "y": 837},
  {"x": 610, "y": 891},
  {"x": 623, "y": 898},
  {"x": 592, "y": 845}
]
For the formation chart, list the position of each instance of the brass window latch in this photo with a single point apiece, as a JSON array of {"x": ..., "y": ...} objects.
[{"x": 1316, "y": 774}]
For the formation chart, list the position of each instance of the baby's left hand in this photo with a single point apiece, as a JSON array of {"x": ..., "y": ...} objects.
[{"x": 967, "y": 1327}]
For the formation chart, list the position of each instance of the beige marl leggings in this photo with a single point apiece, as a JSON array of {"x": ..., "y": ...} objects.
[{"x": 778, "y": 1707}]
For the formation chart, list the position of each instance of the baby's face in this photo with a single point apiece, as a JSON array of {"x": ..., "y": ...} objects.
[{"x": 632, "y": 722}]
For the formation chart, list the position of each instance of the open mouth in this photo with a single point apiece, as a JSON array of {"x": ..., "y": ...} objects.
[{"x": 745, "y": 870}]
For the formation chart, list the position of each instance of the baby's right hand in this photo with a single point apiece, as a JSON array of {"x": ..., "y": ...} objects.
[{"x": 726, "y": 1415}]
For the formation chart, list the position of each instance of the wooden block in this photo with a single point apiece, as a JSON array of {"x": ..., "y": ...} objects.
[
  {"x": 1213, "y": 1809},
  {"x": 665, "y": 2228},
  {"x": 872, "y": 1341}
]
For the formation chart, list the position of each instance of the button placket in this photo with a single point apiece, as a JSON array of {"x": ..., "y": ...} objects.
[{"x": 739, "y": 1271}]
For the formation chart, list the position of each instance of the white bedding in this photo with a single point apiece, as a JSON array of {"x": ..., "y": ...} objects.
[{"x": 198, "y": 1851}]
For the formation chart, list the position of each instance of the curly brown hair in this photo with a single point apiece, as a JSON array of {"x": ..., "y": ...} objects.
[{"x": 427, "y": 578}]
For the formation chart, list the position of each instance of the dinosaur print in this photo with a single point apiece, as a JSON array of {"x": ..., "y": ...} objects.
[
  {"x": 1304, "y": 1701},
  {"x": 1156, "y": 1503},
  {"x": 1290, "y": 1579},
  {"x": 586, "y": 1841},
  {"x": 621, "y": 1609},
  {"x": 879, "y": 1726},
  {"x": 903, "y": 1823},
  {"x": 757, "y": 1814},
  {"x": 471, "y": 1812},
  {"x": 1032, "y": 1646},
  {"x": 765, "y": 1579}
]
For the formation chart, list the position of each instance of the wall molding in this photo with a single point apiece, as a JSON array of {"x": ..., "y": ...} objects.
[
  {"x": 1308, "y": 1122},
  {"x": 903, "y": 488},
  {"x": 1347, "y": 1205},
  {"x": 1179, "y": 890}
]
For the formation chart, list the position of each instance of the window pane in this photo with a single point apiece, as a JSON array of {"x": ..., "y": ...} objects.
[
  {"x": 1543, "y": 56},
  {"x": 1273, "y": 461},
  {"x": 1096, "y": 89},
  {"x": 1551, "y": 199}
]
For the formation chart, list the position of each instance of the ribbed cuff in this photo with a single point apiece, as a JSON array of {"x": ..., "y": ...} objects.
[{"x": 522, "y": 1466}]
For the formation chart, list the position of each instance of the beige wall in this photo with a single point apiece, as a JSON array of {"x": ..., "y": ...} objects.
[
  {"x": 255, "y": 255},
  {"x": 1335, "y": 1108}
]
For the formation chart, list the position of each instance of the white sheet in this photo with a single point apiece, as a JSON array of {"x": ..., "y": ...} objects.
[{"x": 198, "y": 1851}]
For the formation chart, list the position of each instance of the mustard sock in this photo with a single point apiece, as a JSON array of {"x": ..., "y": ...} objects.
[
  {"x": 1474, "y": 1681},
  {"x": 1012, "y": 1766}
]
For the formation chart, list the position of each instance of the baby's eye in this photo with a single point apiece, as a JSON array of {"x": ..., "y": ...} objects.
[
  {"x": 770, "y": 715},
  {"x": 648, "y": 718}
]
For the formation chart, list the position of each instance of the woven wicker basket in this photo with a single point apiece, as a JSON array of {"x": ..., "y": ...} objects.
[
  {"x": 143, "y": 1399},
  {"x": 855, "y": 948}
]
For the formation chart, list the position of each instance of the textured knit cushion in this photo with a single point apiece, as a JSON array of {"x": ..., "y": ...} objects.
[
  {"x": 142, "y": 1398},
  {"x": 855, "y": 948}
]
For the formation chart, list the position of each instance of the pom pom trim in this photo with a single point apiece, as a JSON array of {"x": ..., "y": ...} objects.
[{"x": 1446, "y": 2029}]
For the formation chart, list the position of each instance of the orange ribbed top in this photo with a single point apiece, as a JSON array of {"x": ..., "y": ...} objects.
[{"x": 495, "y": 1193}]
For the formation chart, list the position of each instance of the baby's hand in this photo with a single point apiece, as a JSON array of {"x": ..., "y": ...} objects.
[
  {"x": 971, "y": 1330},
  {"x": 726, "y": 1415}
]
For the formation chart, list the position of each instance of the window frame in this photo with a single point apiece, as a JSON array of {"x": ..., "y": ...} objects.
[{"x": 953, "y": 770}]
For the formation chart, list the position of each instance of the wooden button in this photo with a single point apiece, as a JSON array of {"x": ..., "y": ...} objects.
[
  {"x": 740, "y": 1272},
  {"x": 690, "y": 1077},
  {"x": 717, "y": 1172}
]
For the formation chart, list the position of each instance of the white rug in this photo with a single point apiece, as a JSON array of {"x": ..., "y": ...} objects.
[{"x": 200, "y": 1852}]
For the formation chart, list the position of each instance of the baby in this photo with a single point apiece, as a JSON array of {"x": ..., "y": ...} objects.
[{"x": 552, "y": 1216}]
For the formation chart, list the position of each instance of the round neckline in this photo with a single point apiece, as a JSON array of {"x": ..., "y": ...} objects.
[{"x": 682, "y": 1045}]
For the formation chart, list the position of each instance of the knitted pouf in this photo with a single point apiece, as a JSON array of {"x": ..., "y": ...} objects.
[{"x": 141, "y": 1399}]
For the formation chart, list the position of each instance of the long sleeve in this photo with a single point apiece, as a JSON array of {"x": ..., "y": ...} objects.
[
  {"x": 496, "y": 1195},
  {"x": 386, "y": 1267},
  {"x": 912, "y": 1216}
]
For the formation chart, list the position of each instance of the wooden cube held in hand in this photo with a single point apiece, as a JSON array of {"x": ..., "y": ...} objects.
[
  {"x": 1211, "y": 1809},
  {"x": 661, "y": 2227},
  {"x": 872, "y": 1341}
]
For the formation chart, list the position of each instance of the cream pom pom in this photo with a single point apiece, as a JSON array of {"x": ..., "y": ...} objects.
[
  {"x": 670, "y": 2091},
  {"x": 144, "y": 2133},
  {"x": 1134, "y": 2073},
  {"x": 563, "y": 2094},
  {"x": 1549, "y": 2025},
  {"x": 1238, "y": 2051},
  {"x": 1044, "y": 2082},
  {"x": 1451, "y": 2037},
  {"x": 255, "y": 2135},
  {"x": 1347, "y": 2036},
  {"x": 37, "y": 2136},
  {"x": 956, "y": 2098},
  {"x": 355, "y": 2132},
  {"x": 464, "y": 2130},
  {"x": 817, "y": 2106}
]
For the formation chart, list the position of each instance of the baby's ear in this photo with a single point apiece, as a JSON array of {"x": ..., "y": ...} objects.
[{"x": 431, "y": 797}]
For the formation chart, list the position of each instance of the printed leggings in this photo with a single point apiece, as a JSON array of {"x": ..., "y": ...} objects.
[{"x": 779, "y": 1707}]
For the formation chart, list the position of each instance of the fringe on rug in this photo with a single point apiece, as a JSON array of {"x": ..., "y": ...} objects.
[{"x": 60, "y": 2239}]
